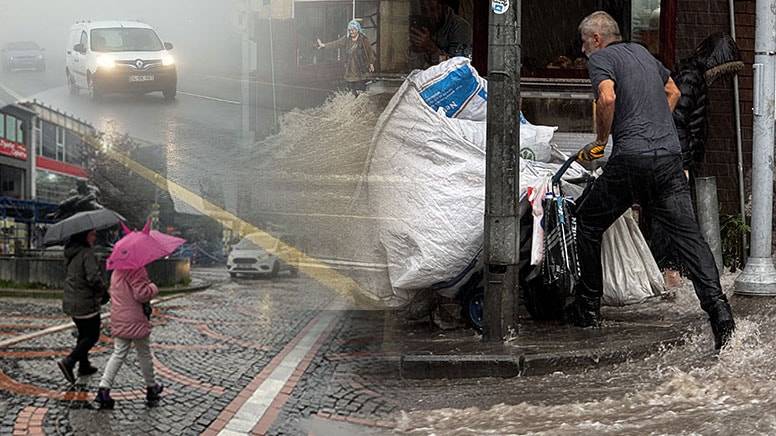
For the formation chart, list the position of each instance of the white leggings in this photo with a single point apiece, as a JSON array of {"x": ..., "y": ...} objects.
[{"x": 120, "y": 351}]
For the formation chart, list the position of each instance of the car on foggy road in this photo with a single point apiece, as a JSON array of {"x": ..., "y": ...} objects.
[
  {"x": 251, "y": 259},
  {"x": 119, "y": 57},
  {"x": 23, "y": 55}
]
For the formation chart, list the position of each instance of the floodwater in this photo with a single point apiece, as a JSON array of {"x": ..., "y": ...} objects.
[{"x": 685, "y": 390}]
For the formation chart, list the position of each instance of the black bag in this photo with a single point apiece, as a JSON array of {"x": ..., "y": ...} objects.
[{"x": 147, "y": 310}]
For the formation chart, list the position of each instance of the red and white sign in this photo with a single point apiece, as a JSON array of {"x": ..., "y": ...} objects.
[
  {"x": 55, "y": 166},
  {"x": 13, "y": 149}
]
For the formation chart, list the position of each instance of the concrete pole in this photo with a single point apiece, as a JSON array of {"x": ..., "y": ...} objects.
[
  {"x": 708, "y": 215},
  {"x": 759, "y": 275},
  {"x": 502, "y": 176}
]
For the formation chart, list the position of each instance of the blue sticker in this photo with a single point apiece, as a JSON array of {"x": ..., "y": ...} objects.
[{"x": 500, "y": 6}]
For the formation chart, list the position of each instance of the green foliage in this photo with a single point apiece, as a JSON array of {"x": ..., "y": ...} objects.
[{"x": 732, "y": 230}]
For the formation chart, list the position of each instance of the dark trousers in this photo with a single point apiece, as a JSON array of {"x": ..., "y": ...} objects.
[
  {"x": 659, "y": 185},
  {"x": 88, "y": 335}
]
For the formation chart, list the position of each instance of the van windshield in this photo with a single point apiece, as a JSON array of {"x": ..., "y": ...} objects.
[{"x": 125, "y": 39}]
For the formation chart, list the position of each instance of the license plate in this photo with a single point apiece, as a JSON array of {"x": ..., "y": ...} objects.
[{"x": 141, "y": 78}]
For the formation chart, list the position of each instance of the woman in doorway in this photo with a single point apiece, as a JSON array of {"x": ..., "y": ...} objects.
[{"x": 359, "y": 56}]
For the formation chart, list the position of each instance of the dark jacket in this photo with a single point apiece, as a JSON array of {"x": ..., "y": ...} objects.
[
  {"x": 84, "y": 285},
  {"x": 715, "y": 57}
]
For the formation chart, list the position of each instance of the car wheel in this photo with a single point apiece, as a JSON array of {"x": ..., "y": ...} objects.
[
  {"x": 170, "y": 93},
  {"x": 275, "y": 270},
  {"x": 293, "y": 271}
]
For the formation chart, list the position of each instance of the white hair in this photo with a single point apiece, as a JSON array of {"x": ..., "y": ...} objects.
[{"x": 601, "y": 23}]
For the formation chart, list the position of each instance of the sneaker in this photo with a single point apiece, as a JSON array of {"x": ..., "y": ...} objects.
[
  {"x": 86, "y": 370},
  {"x": 67, "y": 371},
  {"x": 103, "y": 399},
  {"x": 154, "y": 394}
]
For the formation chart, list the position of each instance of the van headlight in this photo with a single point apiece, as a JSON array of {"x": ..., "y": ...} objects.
[
  {"x": 168, "y": 60},
  {"x": 105, "y": 62}
]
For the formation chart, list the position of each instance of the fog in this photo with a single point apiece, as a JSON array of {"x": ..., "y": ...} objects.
[{"x": 203, "y": 32}]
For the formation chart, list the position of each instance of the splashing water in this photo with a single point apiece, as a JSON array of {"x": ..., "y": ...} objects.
[{"x": 681, "y": 390}]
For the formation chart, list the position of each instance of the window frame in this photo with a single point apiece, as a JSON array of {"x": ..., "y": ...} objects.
[
  {"x": 60, "y": 145},
  {"x": 10, "y": 120}
]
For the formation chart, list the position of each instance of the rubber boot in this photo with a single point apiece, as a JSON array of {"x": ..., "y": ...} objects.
[
  {"x": 722, "y": 323},
  {"x": 154, "y": 394},
  {"x": 104, "y": 401},
  {"x": 585, "y": 311}
]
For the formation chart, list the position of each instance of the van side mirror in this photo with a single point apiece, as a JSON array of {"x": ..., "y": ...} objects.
[
  {"x": 79, "y": 48},
  {"x": 168, "y": 46}
]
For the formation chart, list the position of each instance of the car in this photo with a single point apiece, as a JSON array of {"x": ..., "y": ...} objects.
[
  {"x": 249, "y": 258},
  {"x": 105, "y": 57},
  {"x": 23, "y": 55}
]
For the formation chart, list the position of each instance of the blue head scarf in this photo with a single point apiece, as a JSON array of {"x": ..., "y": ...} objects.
[{"x": 354, "y": 24}]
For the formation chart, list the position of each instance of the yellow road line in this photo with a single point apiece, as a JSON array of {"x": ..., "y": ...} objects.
[
  {"x": 319, "y": 271},
  {"x": 11, "y": 92}
]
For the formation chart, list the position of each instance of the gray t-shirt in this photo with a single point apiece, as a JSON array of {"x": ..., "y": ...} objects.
[{"x": 642, "y": 118}]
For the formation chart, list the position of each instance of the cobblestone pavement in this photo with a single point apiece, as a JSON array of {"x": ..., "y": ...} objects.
[{"x": 211, "y": 349}]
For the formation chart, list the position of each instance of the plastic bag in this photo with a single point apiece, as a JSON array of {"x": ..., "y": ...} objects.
[{"x": 454, "y": 87}]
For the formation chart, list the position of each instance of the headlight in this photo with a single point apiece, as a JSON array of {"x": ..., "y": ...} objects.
[
  {"x": 168, "y": 60},
  {"x": 105, "y": 62}
]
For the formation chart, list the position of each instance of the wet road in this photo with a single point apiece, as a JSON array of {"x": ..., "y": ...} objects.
[{"x": 281, "y": 357}]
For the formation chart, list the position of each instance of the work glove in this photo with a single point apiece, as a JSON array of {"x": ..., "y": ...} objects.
[{"x": 591, "y": 152}]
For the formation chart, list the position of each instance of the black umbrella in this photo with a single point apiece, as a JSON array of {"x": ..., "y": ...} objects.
[{"x": 100, "y": 219}]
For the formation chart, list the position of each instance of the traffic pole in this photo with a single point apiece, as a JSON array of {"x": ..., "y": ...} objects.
[
  {"x": 759, "y": 274},
  {"x": 502, "y": 171}
]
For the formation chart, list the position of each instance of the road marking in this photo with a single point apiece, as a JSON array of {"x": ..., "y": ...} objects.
[
  {"x": 12, "y": 93},
  {"x": 259, "y": 403},
  {"x": 205, "y": 97}
]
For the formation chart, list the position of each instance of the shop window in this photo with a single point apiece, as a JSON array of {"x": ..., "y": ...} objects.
[
  {"x": 37, "y": 136},
  {"x": 550, "y": 41},
  {"x": 10, "y": 128},
  {"x": 11, "y": 182}
]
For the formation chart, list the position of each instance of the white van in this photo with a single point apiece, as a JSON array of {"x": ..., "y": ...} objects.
[{"x": 119, "y": 56}]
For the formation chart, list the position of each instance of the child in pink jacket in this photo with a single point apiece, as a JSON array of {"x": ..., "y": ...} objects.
[{"x": 129, "y": 290}]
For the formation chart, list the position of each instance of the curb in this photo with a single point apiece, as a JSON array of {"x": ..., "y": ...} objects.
[
  {"x": 450, "y": 366},
  {"x": 57, "y": 293}
]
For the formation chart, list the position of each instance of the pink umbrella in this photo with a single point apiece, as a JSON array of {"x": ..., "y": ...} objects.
[{"x": 138, "y": 249}]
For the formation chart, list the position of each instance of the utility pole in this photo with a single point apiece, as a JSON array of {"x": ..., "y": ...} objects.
[
  {"x": 759, "y": 275},
  {"x": 502, "y": 171}
]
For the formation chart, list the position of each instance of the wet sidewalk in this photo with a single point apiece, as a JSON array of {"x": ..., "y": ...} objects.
[{"x": 538, "y": 348}]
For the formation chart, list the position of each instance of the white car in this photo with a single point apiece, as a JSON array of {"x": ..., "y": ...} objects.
[
  {"x": 119, "y": 56},
  {"x": 248, "y": 258}
]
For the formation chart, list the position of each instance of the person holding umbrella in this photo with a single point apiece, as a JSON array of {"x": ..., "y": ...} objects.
[
  {"x": 84, "y": 293},
  {"x": 131, "y": 291},
  {"x": 84, "y": 290}
]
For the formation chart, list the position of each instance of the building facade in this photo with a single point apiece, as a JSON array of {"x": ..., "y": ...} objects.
[{"x": 59, "y": 143}]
